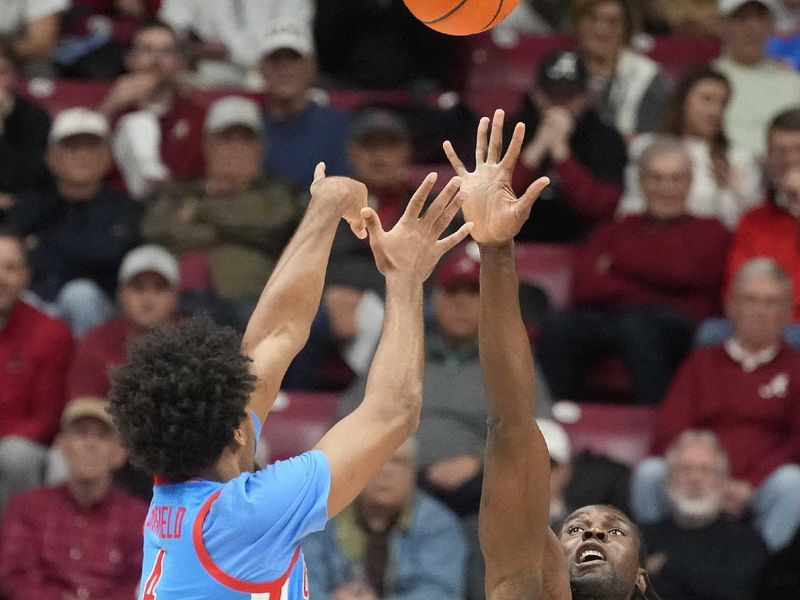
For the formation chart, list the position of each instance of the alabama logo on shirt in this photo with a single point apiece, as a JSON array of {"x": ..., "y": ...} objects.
[{"x": 777, "y": 388}]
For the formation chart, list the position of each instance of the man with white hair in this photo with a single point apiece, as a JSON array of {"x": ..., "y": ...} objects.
[
  {"x": 640, "y": 285},
  {"x": 697, "y": 552},
  {"x": 746, "y": 391}
]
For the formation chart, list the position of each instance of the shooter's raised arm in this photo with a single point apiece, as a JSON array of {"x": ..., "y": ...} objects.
[
  {"x": 360, "y": 443},
  {"x": 280, "y": 324},
  {"x": 515, "y": 500}
]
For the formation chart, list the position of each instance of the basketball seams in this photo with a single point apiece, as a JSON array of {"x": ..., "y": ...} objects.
[
  {"x": 451, "y": 12},
  {"x": 496, "y": 14}
]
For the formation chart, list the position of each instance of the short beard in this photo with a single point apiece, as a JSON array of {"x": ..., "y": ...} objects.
[
  {"x": 600, "y": 587},
  {"x": 695, "y": 513}
]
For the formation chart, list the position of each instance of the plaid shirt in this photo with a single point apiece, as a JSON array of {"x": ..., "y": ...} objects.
[{"x": 53, "y": 549}]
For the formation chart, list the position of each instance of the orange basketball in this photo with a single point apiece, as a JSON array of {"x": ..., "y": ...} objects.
[{"x": 461, "y": 17}]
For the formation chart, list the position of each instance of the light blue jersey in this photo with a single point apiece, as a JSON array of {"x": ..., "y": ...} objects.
[{"x": 238, "y": 540}]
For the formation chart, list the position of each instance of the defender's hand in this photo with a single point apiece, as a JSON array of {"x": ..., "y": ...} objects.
[
  {"x": 347, "y": 195},
  {"x": 413, "y": 247},
  {"x": 489, "y": 201}
]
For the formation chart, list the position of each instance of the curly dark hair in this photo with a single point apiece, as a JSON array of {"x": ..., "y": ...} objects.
[{"x": 180, "y": 396}]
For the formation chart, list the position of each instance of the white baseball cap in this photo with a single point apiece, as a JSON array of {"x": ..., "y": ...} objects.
[
  {"x": 75, "y": 121},
  {"x": 294, "y": 35},
  {"x": 728, "y": 7},
  {"x": 233, "y": 110},
  {"x": 149, "y": 259},
  {"x": 557, "y": 441}
]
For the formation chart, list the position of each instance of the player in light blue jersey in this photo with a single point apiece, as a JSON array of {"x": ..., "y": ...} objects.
[{"x": 190, "y": 402}]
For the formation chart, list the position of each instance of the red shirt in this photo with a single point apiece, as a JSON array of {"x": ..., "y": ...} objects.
[
  {"x": 51, "y": 546},
  {"x": 640, "y": 262},
  {"x": 755, "y": 415},
  {"x": 35, "y": 351},
  {"x": 182, "y": 139},
  {"x": 768, "y": 231},
  {"x": 97, "y": 352}
]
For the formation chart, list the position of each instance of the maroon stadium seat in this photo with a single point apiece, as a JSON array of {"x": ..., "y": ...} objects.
[
  {"x": 297, "y": 423},
  {"x": 623, "y": 433},
  {"x": 548, "y": 266}
]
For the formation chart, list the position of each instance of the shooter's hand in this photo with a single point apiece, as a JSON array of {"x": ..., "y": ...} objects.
[{"x": 412, "y": 247}]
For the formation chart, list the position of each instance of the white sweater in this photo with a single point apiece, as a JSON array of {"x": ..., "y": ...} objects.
[{"x": 706, "y": 198}]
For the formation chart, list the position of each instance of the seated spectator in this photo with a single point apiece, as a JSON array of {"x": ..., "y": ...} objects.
[
  {"x": 380, "y": 151},
  {"x": 298, "y": 132},
  {"x": 452, "y": 430},
  {"x": 696, "y": 552},
  {"x": 581, "y": 479},
  {"x": 96, "y": 34},
  {"x": 79, "y": 229},
  {"x": 229, "y": 34},
  {"x": 640, "y": 285},
  {"x": 23, "y": 135},
  {"x": 785, "y": 44},
  {"x": 783, "y": 149},
  {"x": 368, "y": 44},
  {"x": 393, "y": 542},
  {"x": 726, "y": 179},
  {"x": 148, "y": 297},
  {"x": 566, "y": 139},
  {"x": 235, "y": 222},
  {"x": 35, "y": 351},
  {"x": 747, "y": 392},
  {"x": 747, "y": 25},
  {"x": 159, "y": 138},
  {"x": 82, "y": 539},
  {"x": 32, "y": 26},
  {"x": 768, "y": 231},
  {"x": 631, "y": 89}
]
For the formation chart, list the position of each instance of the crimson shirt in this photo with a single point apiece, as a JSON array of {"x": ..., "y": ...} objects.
[
  {"x": 98, "y": 351},
  {"x": 35, "y": 351},
  {"x": 755, "y": 415},
  {"x": 642, "y": 262},
  {"x": 50, "y": 546},
  {"x": 768, "y": 231}
]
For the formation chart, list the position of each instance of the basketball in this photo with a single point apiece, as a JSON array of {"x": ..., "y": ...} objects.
[{"x": 461, "y": 17}]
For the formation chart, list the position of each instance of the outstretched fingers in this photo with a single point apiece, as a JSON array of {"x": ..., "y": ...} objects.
[
  {"x": 496, "y": 137},
  {"x": 514, "y": 148},
  {"x": 532, "y": 193},
  {"x": 373, "y": 224},
  {"x": 417, "y": 202},
  {"x": 481, "y": 141},
  {"x": 451, "y": 155},
  {"x": 442, "y": 201},
  {"x": 451, "y": 241},
  {"x": 448, "y": 214}
]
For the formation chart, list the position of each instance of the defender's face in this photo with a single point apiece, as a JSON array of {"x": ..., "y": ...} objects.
[{"x": 602, "y": 552}]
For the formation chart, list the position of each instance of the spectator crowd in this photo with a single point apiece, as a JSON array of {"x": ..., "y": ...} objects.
[{"x": 155, "y": 159}]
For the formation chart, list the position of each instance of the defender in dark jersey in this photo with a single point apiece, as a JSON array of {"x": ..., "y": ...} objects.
[{"x": 599, "y": 554}]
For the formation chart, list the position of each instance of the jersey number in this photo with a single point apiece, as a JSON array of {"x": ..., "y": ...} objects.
[{"x": 155, "y": 576}]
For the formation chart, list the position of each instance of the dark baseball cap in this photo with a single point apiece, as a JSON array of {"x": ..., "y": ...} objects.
[
  {"x": 562, "y": 72},
  {"x": 378, "y": 124},
  {"x": 460, "y": 268}
]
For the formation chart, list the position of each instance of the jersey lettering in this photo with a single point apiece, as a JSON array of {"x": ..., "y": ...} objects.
[
  {"x": 166, "y": 521},
  {"x": 155, "y": 576}
]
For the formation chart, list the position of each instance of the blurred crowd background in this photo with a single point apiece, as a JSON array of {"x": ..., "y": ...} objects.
[{"x": 155, "y": 158}]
